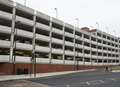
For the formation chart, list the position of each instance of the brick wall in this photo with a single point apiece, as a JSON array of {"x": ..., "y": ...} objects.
[{"x": 7, "y": 68}]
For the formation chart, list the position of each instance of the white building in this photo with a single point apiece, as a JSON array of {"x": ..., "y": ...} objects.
[{"x": 29, "y": 37}]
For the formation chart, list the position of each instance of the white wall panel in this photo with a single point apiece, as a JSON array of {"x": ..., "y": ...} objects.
[
  {"x": 4, "y": 58},
  {"x": 5, "y": 15}
]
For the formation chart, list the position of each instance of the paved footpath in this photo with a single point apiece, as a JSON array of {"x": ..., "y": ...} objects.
[
  {"x": 90, "y": 78},
  {"x": 28, "y": 76},
  {"x": 14, "y": 80},
  {"x": 20, "y": 83}
]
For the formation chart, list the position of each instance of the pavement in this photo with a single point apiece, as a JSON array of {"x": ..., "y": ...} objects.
[
  {"x": 116, "y": 71},
  {"x": 20, "y": 83},
  {"x": 82, "y": 79},
  {"x": 38, "y": 75}
]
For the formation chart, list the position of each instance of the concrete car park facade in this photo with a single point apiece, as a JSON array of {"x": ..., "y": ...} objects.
[{"x": 34, "y": 42}]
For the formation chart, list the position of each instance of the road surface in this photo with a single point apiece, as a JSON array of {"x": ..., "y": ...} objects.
[{"x": 82, "y": 79}]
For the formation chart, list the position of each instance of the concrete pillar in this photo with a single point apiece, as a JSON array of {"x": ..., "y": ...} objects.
[
  {"x": 90, "y": 49},
  {"x": 63, "y": 43},
  {"x": 111, "y": 56},
  {"x": 97, "y": 50},
  {"x": 119, "y": 53},
  {"x": 83, "y": 49},
  {"x": 74, "y": 58},
  {"x": 107, "y": 57},
  {"x": 117, "y": 49},
  {"x": 102, "y": 50},
  {"x": 50, "y": 43},
  {"x": 119, "y": 56},
  {"x": 33, "y": 60},
  {"x": 11, "y": 57},
  {"x": 115, "y": 55}
]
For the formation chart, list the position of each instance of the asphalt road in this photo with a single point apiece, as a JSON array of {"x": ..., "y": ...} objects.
[{"x": 82, "y": 79}]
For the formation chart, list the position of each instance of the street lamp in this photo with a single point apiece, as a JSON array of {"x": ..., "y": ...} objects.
[
  {"x": 98, "y": 26},
  {"x": 77, "y": 22},
  {"x": 56, "y": 11},
  {"x": 25, "y": 2},
  {"x": 14, "y": 51},
  {"x": 77, "y": 58},
  {"x": 107, "y": 28}
]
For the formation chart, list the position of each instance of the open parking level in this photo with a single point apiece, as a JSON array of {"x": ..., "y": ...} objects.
[
  {"x": 82, "y": 79},
  {"x": 31, "y": 41}
]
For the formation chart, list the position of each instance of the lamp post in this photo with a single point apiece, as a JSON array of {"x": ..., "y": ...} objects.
[
  {"x": 14, "y": 51},
  {"x": 56, "y": 11},
  {"x": 77, "y": 59},
  {"x": 77, "y": 22},
  {"x": 98, "y": 26},
  {"x": 25, "y": 1}
]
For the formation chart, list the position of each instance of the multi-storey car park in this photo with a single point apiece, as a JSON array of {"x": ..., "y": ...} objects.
[{"x": 32, "y": 42}]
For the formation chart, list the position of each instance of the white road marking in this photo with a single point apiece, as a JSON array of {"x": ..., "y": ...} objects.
[
  {"x": 94, "y": 82},
  {"x": 101, "y": 81},
  {"x": 98, "y": 82},
  {"x": 19, "y": 85},
  {"x": 113, "y": 79},
  {"x": 87, "y": 83}
]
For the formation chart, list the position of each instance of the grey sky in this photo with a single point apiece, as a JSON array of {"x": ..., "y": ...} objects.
[{"x": 105, "y": 12}]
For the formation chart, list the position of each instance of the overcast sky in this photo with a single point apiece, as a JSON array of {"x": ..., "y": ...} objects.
[{"x": 105, "y": 12}]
